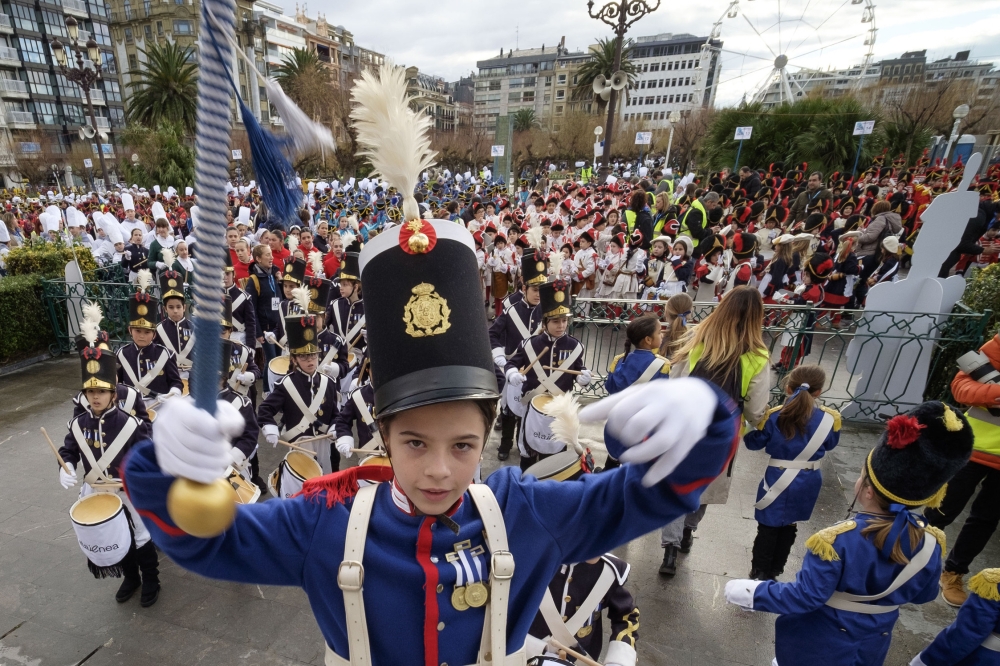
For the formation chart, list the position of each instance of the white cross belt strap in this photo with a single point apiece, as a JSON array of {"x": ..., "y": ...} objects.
[
  {"x": 522, "y": 329},
  {"x": 651, "y": 370},
  {"x": 98, "y": 467},
  {"x": 992, "y": 642},
  {"x": 857, "y": 603},
  {"x": 564, "y": 632},
  {"x": 786, "y": 478},
  {"x": 351, "y": 576},
  {"x": 366, "y": 417},
  {"x": 142, "y": 385},
  {"x": 546, "y": 381},
  {"x": 308, "y": 412}
]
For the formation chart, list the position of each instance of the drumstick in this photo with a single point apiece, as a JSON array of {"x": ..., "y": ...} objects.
[
  {"x": 573, "y": 653},
  {"x": 106, "y": 484},
  {"x": 297, "y": 448},
  {"x": 538, "y": 358},
  {"x": 309, "y": 440},
  {"x": 62, "y": 463},
  {"x": 567, "y": 371},
  {"x": 376, "y": 452}
]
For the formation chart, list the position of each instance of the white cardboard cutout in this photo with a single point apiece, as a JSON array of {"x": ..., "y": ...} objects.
[{"x": 892, "y": 372}]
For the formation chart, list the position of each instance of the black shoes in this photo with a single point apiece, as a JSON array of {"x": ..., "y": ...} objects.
[
  {"x": 127, "y": 589},
  {"x": 150, "y": 594},
  {"x": 503, "y": 455},
  {"x": 669, "y": 565},
  {"x": 686, "y": 540}
]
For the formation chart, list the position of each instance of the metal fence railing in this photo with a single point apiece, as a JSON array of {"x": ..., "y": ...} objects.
[{"x": 798, "y": 334}]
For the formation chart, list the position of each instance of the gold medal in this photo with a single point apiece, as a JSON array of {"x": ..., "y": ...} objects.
[
  {"x": 585, "y": 631},
  {"x": 476, "y": 594},
  {"x": 458, "y": 599}
]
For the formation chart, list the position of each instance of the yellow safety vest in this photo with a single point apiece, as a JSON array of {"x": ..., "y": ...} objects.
[
  {"x": 985, "y": 429},
  {"x": 751, "y": 364},
  {"x": 685, "y": 231},
  {"x": 629, "y": 220}
]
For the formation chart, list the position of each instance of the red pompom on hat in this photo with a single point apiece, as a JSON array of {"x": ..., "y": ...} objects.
[{"x": 903, "y": 430}]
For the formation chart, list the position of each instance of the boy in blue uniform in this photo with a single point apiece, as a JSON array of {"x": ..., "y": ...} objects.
[
  {"x": 175, "y": 331},
  {"x": 146, "y": 366},
  {"x": 855, "y": 575},
  {"x": 127, "y": 398},
  {"x": 973, "y": 639}
]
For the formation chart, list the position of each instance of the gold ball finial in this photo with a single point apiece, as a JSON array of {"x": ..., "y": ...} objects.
[
  {"x": 203, "y": 510},
  {"x": 419, "y": 243}
]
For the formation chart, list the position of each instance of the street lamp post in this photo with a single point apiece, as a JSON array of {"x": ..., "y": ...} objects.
[
  {"x": 84, "y": 77},
  {"x": 672, "y": 118},
  {"x": 958, "y": 114},
  {"x": 55, "y": 173},
  {"x": 620, "y": 15}
]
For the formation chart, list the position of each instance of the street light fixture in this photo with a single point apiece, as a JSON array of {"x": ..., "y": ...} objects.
[
  {"x": 672, "y": 119},
  {"x": 83, "y": 76},
  {"x": 620, "y": 15},
  {"x": 960, "y": 112}
]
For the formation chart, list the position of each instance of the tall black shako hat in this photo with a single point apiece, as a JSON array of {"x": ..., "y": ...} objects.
[
  {"x": 98, "y": 363},
  {"x": 427, "y": 340},
  {"x": 141, "y": 306},
  {"x": 554, "y": 298},
  {"x": 918, "y": 453},
  {"x": 294, "y": 271},
  {"x": 349, "y": 269},
  {"x": 171, "y": 285},
  {"x": 301, "y": 334},
  {"x": 534, "y": 267},
  {"x": 226, "y": 359},
  {"x": 227, "y": 311}
]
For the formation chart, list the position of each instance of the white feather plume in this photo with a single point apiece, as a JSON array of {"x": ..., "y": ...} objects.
[
  {"x": 348, "y": 239},
  {"x": 565, "y": 409},
  {"x": 301, "y": 297},
  {"x": 168, "y": 258},
  {"x": 307, "y": 135},
  {"x": 293, "y": 244},
  {"x": 393, "y": 137},
  {"x": 555, "y": 263},
  {"x": 534, "y": 235},
  {"x": 144, "y": 279},
  {"x": 90, "y": 326},
  {"x": 316, "y": 262}
]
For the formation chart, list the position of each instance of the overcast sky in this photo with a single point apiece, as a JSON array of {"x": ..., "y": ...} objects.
[{"x": 447, "y": 37}]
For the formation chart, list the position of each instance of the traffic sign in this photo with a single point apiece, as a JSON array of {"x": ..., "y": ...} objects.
[
  {"x": 497, "y": 151},
  {"x": 643, "y": 138},
  {"x": 863, "y": 127},
  {"x": 237, "y": 154},
  {"x": 743, "y": 133},
  {"x": 89, "y": 163}
]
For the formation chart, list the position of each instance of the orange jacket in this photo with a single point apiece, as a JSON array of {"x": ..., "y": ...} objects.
[{"x": 969, "y": 392}]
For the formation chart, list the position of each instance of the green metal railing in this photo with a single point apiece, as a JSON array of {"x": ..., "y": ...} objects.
[{"x": 799, "y": 334}]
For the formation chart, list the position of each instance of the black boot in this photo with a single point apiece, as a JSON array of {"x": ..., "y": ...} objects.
[
  {"x": 669, "y": 565},
  {"x": 782, "y": 548},
  {"x": 763, "y": 551},
  {"x": 150, "y": 567},
  {"x": 611, "y": 463},
  {"x": 508, "y": 430},
  {"x": 132, "y": 582},
  {"x": 687, "y": 539}
]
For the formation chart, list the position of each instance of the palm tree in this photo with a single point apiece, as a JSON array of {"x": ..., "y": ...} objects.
[
  {"x": 165, "y": 89},
  {"x": 602, "y": 62},
  {"x": 525, "y": 120},
  {"x": 295, "y": 67}
]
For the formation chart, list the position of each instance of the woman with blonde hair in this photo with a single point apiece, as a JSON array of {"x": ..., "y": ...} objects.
[
  {"x": 676, "y": 316},
  {"x": 727, "y": 348}
]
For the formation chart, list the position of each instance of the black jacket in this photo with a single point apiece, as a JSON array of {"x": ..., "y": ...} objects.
[
  {"x": 260, "y": 290},
  {"x": 644, "y": 223}
]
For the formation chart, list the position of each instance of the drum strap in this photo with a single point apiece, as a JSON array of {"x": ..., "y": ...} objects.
[
  {"x": 353, "y": 333},
  {"x": 366, "y": 417},
  {"x": 128, "y": 404},
  {"x": 545, "y": 379},
  {"x": 992, "y": 642},
  {"x": 330, "y": 356},
  {"x": 98, "y": 467},
  {"x": 308, "y": 412},
  {"x": 242, "y": 366},
  {"x": 857, "y": 603},
  {"x": 501, "y": 572},
  {"x": 519, "y": 324},
  {"x": 162, "y": 332},
  {"x": 143, "y": 385},
  {"x": 340, "y": 324},
  {"x": 787, "y": 476},
  {"x": 351, "y": 576},
  {"x": 237, "y": 302},
  {"x": 651, "y": 370},
  {"x": 564, "y": 632}
]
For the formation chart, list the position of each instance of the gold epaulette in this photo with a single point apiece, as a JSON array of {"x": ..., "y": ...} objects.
[
  {"x": 836, "y": 417},
  {"x": 665, "y": 370},
  {"x": 614, "y": 362},
  {"x": 941, "y": 538},
  {"x": 767, "y": 415},
  {"x": 821, "y": 543},
  {"x": 984, "y": 584}
]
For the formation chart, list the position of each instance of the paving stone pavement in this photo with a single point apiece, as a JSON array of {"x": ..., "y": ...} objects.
[{"x": 54, "y": 613}]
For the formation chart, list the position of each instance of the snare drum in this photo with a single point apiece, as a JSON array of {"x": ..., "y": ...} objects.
[
  {"x": 547, "y": 660},
  {"x": 185, "y": 386},
  {"x": 102, "y": 531},
  {"x": 537, "y": 428},
  {"x": 278, "y": 367},
  {"x": 245, "y": 491},
  {"x": 152, "y": 414},
  {"x": 377, "y": 460},
  {"x": 294, "y": 470},
  {"x": 564, "y": 466}
]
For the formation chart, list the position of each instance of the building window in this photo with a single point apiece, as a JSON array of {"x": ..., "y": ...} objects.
[
  {"x": 128, "y": 36},
  {"x": 529, "y": 96},
  {"x": 67, "y": 89},
  {"x": 561, "y": 79},
  {"x": 560, "y": 94},
  {"x": 32, "y": 50},
  {"x": 514, "y": 96},
  {"x": 102, "y": 35},
  {"x": 649, "y": 100},
  {"x": 23, "y": 17},
  {"x": 133, "y": 62},
  {"x": 109, "y": 62},
  {"x": 112, "y": 91},
  {"x": 46, "y": 112},
  {"x": 117, "y": 116},
  {"x": 671, "y": 101},
  {"x": 74, "y": 114},
  {"x": 183, "y": 27},
  {"x": 148, "y": 31},
  {"x": 658, "y": 100},
  {"x": 575, "y": 77},
  {"x": 99, "y": 9},
  {"x": 655, "y": 67},
  {"x": 559, "y": 109},
  {"x": 494, "y": 85},
  {"x": 39, "y": 82},
  {"x": 53, "y": 23},
  {"x": 687, "y": 80},
  {"x": 159, "y": 27}
]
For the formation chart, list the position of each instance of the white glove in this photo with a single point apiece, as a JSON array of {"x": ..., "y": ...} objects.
[
  {"x": 160, "y": 265},
  {"x": 237, "y": 458},
  {"x": 514, "y": 377},
  {"x": 331, "y": 370},
  {"x": 192, "y": 443},
  {"x": 800, "y": 289},
  {"x": 500, "y": 361},
  {"x": 270, "y": 434},
  {"x": 676, "y": 257},
  {"x": 584, "y": 378},
  {"x": 174, "y": 392},
  {"x": 128, "y": 255},
  {"x": 740, "y": 592},
  {"x": 245, "y": 378},
  {"x": 344, "y": 445},
  {"x": 602, "y": 264},
  {"x": 917, "y": 661},
  {"x": 270, "y": 338},
  {"x": 657, "y": 421},
  {"x": 67, "y": 476}
]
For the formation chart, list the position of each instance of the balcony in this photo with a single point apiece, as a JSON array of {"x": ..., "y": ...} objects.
[
  {"x": 97, "y": 97},
  {"x": 9, "y": 56},
  {"x": 13, "y": 88},
  {"x": 20, "y": 119},
  {"x": 7, "y": 158},
  {"x": 5, "y": 25},
  {"x": 102, "y": 123},
  {"x": 76, "y": 8}
]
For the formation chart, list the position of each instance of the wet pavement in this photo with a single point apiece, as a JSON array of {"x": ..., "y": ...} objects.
[{"x": 53, "y": 612}]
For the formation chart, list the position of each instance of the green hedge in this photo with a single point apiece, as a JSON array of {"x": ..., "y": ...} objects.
[
  {"x": 25, "y": 325},
  {"x": 47, "y": 259},
  {"x": 982, "y": 293}
]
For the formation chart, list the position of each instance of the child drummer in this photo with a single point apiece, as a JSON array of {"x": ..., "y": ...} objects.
[
  {"x": 100, "y": 438},
  {"x": 554, "y": 360},
  {"x": 435, "y": 397},
  {"x": 143, "y": 364}
]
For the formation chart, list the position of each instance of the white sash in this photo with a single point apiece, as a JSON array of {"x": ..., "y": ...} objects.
[
  {"x": 545, "y": 380},
  {"x": 330, "y": 356},
  {"x": 992, "y": 642},
  {"x": 352, "y": 334},
  {"x": 142, "y": 386},
  {"x": 857, "y": 603},
  {"x": 651, "y": 370},
  {"x": 366, "y": 418},
  {"x": 233, "y": 383},
  {"x": 565, "y": 633},
  {"x": 518, "y": 324},
  {"x": 237, "y": 302},
  {"x": 308, "y": 413},
  {"x": 786, "y": 478},
  {"x": 183, "y": 352},
  {"x": 98, "y": 467}
]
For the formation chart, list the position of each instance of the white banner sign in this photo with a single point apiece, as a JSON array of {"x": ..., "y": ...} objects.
[
  {"x": 598, "y": 148},
  {"x": 89, "y": 163},
  {"x": 743, "y": 133},
  {"x": 496, "y": 151},
  {"x": 643, "y": 138},
  {"x": 237, "y": 154},
  {"x": 864, "y": 127}
]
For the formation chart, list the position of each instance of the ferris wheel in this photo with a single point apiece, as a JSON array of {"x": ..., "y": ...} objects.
[{"x": 773, "y": 49}]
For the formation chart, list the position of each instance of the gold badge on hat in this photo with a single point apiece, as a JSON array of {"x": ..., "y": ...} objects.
[
  {"x": 171, "y": 283},
  {"x": 426, "y": 313},
  {"x": 559, "y": 297},
  {"x": 93, "y": 367},
  {"x": 308, "y": 335},
  {"x": 141, "y": 310}
]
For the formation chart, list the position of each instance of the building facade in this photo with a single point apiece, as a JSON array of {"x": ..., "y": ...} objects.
[
  {"x": 431, "y": 96},
  {"x": 676, "y": 73},
  {"x": 43, "y": 111}
]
